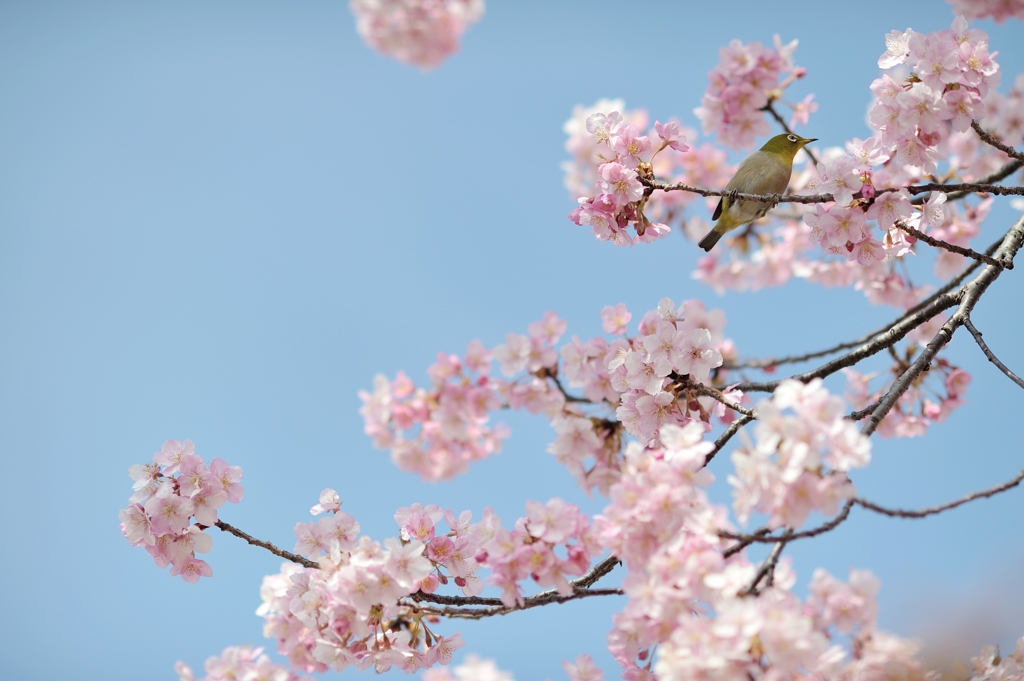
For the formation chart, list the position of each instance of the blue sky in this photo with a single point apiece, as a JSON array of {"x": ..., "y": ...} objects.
[{"x": 218, "y": 221}]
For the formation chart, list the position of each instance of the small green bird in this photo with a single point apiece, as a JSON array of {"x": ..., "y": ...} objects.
[{"x": 764, "y": 172}]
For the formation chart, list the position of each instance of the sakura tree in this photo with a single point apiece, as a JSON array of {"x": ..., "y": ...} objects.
[{"x": 647, "y": 415}]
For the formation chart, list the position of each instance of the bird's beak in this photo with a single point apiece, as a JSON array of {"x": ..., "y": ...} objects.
[{"x": 808, "y": 141}]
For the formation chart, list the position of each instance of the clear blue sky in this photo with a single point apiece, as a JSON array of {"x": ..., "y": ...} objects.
[{"x": 218, "y": 220}]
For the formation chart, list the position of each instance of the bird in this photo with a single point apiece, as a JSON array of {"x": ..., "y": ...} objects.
[{"x": 766, "y": 171}]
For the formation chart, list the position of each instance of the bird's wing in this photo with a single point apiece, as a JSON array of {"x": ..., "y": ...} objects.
[
  {"x": 718, "y": 211},
  {"x": 769, "y": 175}
]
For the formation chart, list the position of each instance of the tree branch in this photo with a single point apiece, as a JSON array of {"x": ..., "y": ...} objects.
[
  {"x": 991, "y": 356},
  {"x": 967, "y": 297},
  {"x": 764, "y": 536},
  {"x": 898, "y": 513},
  {"x": 544, "y": 598},
  {"x": 952, "y": 248},
  {"x": 987, "y": 138},
  {"x": 733, "y": 428},
  {"x": 287, "y": 555}
]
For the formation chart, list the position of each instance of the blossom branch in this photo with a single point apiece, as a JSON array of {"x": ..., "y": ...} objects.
[
  {"x": 960, "y": 250},
  {"x": 960, "y": 189},
  {"x": 987, "y": 138},
  {"x": 702, "y": 389},
  {"x": 967, "y": 297},
  {"x": 543, "y": 598},
  {"x": 899, "y": 513},
  {"x": 287, "y": 555},
  {"x": 991, "y": 356}
]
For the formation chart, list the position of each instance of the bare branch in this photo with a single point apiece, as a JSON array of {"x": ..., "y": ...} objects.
[
  {"x": 287, "y": 555},
  {"x": 545, "y": 598},
  {"x": 898, "y": 513},
  {"x": 768, "y": 566},
  {"x": 595, "y": 573},
  {"x": 702, "y": 389},
  {"x": 991, "y": 356},
  {"x": 1001, "y": 174},
  {"x": 952, "y": 248},
  {"x": 967, "y": 297},
  {"x": 989, "y": 139},
  {"x": 727, "y": 435},
  {"x": 764, "y": 536}
]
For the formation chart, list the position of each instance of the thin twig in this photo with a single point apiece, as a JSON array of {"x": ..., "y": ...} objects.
[
  {"x": 582, "y": 584},
  {"x": 967, "y": 297},
  {"x": 764, "y": 536},
  {"x": 768, "y": 566},
  {"x": 727, "y": 435},
  {"x": 287, "y": 555},
  {"x": 566, "y": 395},
  {"x": 1001, "y": 174},
  {"x": 952, "y": 248},
  {"x": 989, "y": 139},
  {"x": 991, "y": 355},
  {"x": 898, "y": 513},
  {"x": 702, "y": 389},
  {"x": 861, "y": 413},
  {"x": 545, "y": 598}
]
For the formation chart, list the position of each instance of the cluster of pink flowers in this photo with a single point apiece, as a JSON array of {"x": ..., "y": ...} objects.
[
  {"x": 803, "y": 446},
  {"x": 745, "y": 80},
  {"x": 992, "y": 666},
  {"x": 952, "y": 74},
  {"x": 616, "y": 200},
  {"x": 241, "y": 663},
  {"x": 437, "y": 433},
  {"x": 1000, "y": 10},
  {"x": 917, "y": 408},
  {"x": 640, "y": 377},
  {"x": 701, "y": 610},
  {"x": 348, "y": 612},
  {"x": 171, "y": 491},
  {"x": 418, "y": 32}
]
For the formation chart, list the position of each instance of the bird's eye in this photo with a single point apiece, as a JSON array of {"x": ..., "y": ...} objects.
[{"x": 791, "y": 138}]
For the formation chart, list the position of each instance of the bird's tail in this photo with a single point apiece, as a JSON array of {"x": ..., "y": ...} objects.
[{"x": 709, "y": 240}]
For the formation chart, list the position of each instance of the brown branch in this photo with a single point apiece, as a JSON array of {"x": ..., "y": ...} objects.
[
  {"x": 764, "y": 536},
  {"x": 898, "y": 513},
  {"x": 861, "y": 413},
  {"x": 768, "y": 566},
  {"x": 989, "y": 139},
  {"x": 701, "y": 389},
  {"x": 287, "y": 555},
  {"x": 733, "y": 428},
  {"x": 1001, "y": 174},
  {"x": 544, "y": 598},
  {"x": 967, "y": 297},
  {"x": 948, "y": 286},
  {"x": 953, "y": 190},
  {"x": 991, "y": 355},
  {"x": 952, "y": 248},
  {"x": 580, "y": 585}
]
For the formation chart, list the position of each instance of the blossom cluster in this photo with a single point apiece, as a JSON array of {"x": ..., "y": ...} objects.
[
  {"x": 668, "y": 373},
  {"x": 346, "y": 612},
  {"x": 437, "y": 432},
  {"x": 1000, "y": 10},
  {"x": 709, "y": 611},
  {"x": 241, "y": 663},
  {"x": 349, "y": 612},
  {"x": 170, "y": 492},
  {"x": 742, "y": 84},
  {"x": 418, "y": 32},
  {"x": 803, "y": 446}
]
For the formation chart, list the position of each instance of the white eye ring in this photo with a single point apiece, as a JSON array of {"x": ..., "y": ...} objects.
[{"x": 791, "y": 138}]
